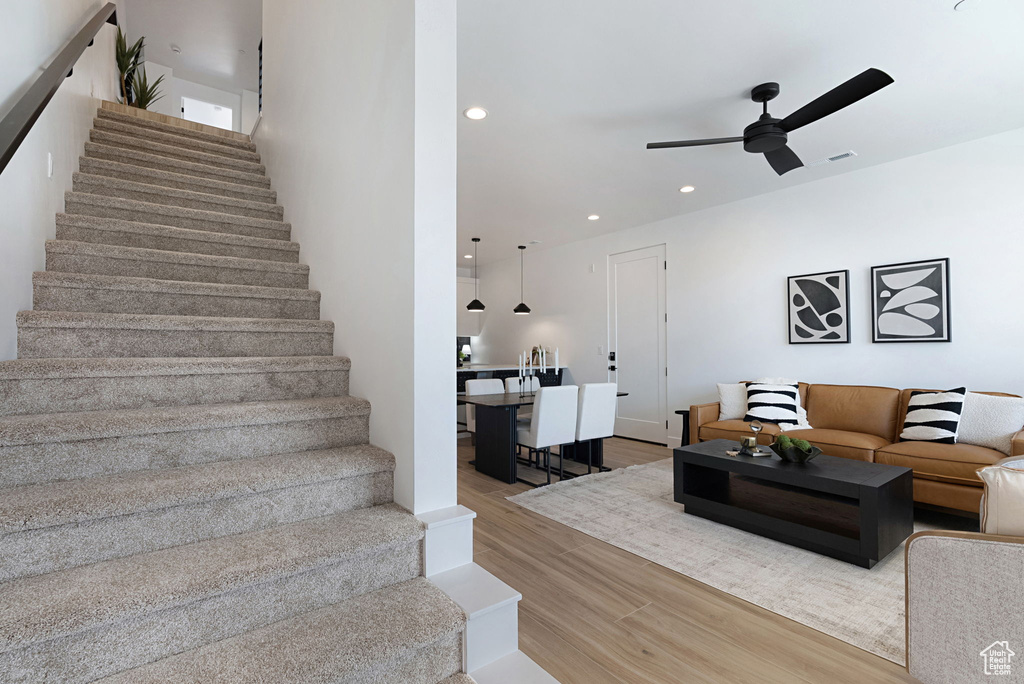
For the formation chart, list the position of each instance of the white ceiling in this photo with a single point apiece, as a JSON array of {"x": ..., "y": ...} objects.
[
  {"x": 210, "y": 34},
  {"x": 576, "y": 88}
]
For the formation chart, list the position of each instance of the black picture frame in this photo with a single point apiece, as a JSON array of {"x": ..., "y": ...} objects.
[
  {"x": 941, "y": 300},
  {"x": 798, "y": 301}
]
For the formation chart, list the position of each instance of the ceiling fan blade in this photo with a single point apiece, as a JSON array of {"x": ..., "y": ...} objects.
[
  {"x": 693, "y": 143},
  {"x": 783, "y": 160},
  {"x": 857, "y": 88}
]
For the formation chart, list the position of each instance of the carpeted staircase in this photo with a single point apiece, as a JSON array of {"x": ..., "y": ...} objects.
[{"x": 187, "y": 491}]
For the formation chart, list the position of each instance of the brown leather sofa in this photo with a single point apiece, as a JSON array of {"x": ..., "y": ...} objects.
[{"x": 864, "y": 423}]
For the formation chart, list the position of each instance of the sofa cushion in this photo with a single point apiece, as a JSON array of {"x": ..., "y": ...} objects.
[
  {"x": 854, "y": 408},
  {"x": 953, "y": 463},
  {"x": 854, "y": 445},
  {"x": 734, "y": 429}
]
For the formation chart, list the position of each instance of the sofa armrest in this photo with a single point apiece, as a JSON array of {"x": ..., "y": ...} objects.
[
  {"x": 701, "y": 415},
  {"x": 1017, "y": 444},
  {"x": 963, "y": 593}
]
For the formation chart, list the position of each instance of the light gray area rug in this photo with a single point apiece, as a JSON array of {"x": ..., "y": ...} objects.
[{"x": 633, "y": 509}]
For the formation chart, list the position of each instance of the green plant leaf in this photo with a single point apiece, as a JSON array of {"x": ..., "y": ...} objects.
[{"x": 146, "y": 93}]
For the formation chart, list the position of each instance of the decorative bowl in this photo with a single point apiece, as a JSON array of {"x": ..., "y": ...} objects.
[{"x": 795, "y": 455}]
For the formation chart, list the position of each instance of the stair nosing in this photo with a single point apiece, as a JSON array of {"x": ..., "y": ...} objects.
[
  {"x": 145, "y": 171},
  {"x": 47, "y": 428},
  {"x": 114, "y": 115},
  {"x": 171, "y": 257},
  {"x": 105, "y": 497},
  {"x": 110, "y": 125},
  {"x": 125, "y": 605},
  {"x": 176, "y": 211},
  {"x": 120, "y": 321},
  {"x": 118, "y": 367},
  {"x": 95, "y": 147},
  {"x": 194, "y": 156},
  {"x": 90, "y": 281},
  {"x": 124, "y": 225},
  {"x": 204, "y": 197}
]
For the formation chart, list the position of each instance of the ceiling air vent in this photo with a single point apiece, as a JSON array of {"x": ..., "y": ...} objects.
[{"x": 834, "y": 158}]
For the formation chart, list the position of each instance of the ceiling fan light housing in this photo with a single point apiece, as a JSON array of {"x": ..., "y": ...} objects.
[
  {"x": 476, "y": 306},
  {"x": 521, "y": 310},
  {"x": 764, "y": 135}
]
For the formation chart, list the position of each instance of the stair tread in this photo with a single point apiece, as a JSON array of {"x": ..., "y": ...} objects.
[
  {"x": 60, "y": 503},
  {"x": 154, "y": 176},
  {"x": 136, "y": 366},
  {"x": 48, "y": 606},
  {"x": 173, "y": 211},
  {"x": 173, "y": 152},
  {"x": 174, "y": 138},
  {"x": 112, "y": 224},
  {"x": 181, "y": 130},
  {"x": 182, "y": 287},
  {"x": 127, "y": 185},
  {"x": 329, "y": 644},
  {"x": 191, "y": 168},
  {"x": 459, "y": 678},
  {"x": 77, "y": 319},
  {"x": 115, "y": 251},
  {"x": 45, "y": 428}
]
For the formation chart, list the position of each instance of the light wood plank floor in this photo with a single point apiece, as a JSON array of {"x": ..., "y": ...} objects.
[{"x": 593, "y": 614}]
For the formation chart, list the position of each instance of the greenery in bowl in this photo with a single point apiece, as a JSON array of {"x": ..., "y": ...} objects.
[{"x": 794, "y": 450}]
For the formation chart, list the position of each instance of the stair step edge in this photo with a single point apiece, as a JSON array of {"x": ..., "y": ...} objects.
[
  {"x": 173, "y": 211},
  {"x": 40, "y": 506},
  {"x": 122, "y": 225},
  {"x": 72, "y": 247},
  {"x": 23, "y": 369},
  {"x": 88, "y": 281},
  {"x": 134, "y": 157},
  {"x": 329, "y": 644},
  {"x": 90, "y": 164},
  {"x": 22, "y": 430},
  {"x": 185, "y": 153},
  {"x": 117, "y": 321},
  {"x": 172, "y": 138},
  {"x": 46, "y": 607},
  {"x": 79, "y": 177},
  {"x": 175, "y": 130}
]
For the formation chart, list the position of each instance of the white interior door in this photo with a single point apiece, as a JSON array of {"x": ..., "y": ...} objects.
[{"x": 637, "y": 337}]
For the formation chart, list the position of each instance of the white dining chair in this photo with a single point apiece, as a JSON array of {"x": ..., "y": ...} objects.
[
  {"x": 553, "y": 422},
  {"x": 477, "y": 387},
  {"x": 595, "y": 418}
]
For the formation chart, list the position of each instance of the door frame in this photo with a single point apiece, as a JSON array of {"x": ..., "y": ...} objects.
[{"x": 660, "y": 435}]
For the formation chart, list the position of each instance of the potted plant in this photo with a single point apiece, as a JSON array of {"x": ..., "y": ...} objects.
[
  {"x": 794, "y": 450},
  {"x": 145, "y": 93},
  {"x": 136, "y": 90}
]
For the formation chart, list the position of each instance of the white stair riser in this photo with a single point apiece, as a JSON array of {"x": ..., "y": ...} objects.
[{"x": 491, "y": 636}]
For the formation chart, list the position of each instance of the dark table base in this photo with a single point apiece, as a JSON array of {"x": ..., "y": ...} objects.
[{"x": 859, "y": 526}]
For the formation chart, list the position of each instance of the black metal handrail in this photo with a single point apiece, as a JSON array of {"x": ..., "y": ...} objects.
[{"x": 19, "y": 121}]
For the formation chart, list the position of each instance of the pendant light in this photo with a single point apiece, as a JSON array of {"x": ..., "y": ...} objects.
[
  {"x": 522, "y": 309},
  {"x": 476, "y": 305}
]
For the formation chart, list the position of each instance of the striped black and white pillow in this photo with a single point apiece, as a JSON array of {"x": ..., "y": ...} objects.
[
  {"x": 770, "y": 403},
  {"x": 934, "y": 416}
]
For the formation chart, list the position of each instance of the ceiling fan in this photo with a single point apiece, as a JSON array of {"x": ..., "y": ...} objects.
[{"x": 768, "y": 135}]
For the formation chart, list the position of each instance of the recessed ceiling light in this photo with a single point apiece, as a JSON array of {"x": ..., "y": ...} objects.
[
  {"x": 593, "y": 217},
  {"x": 687, "y": 188},
  {"x": 475, "y": 113},
  {"x": 467, "y": 256}
]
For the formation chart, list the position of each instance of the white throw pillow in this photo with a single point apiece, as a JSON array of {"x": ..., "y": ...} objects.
[
  {"x": 1002, "y": 507},
  {"x": 990, "y": 421},
  {"x": 732, "y": 401},
  {"x": 801, "y": 413}
]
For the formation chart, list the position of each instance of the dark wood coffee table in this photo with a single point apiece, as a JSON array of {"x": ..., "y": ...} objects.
[{"x": 855, "y": 511}]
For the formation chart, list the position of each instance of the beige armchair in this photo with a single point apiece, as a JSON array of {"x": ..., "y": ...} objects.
[{"x": 965, "y": 607}]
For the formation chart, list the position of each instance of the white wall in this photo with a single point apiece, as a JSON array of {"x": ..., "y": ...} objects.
[
  {"x": 31, "y": 34},
  {"x": 250, "y": 110},
  {"x": 366, "y": 172},
  {"x": 175, "y": 88},
  {"x": 727, "y": 269}
]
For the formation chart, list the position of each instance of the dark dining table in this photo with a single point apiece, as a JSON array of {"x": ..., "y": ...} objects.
[{"x": 497, "y": 437}]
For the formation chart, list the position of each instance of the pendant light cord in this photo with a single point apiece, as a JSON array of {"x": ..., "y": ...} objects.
[{"x": 522, "y": 297}]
